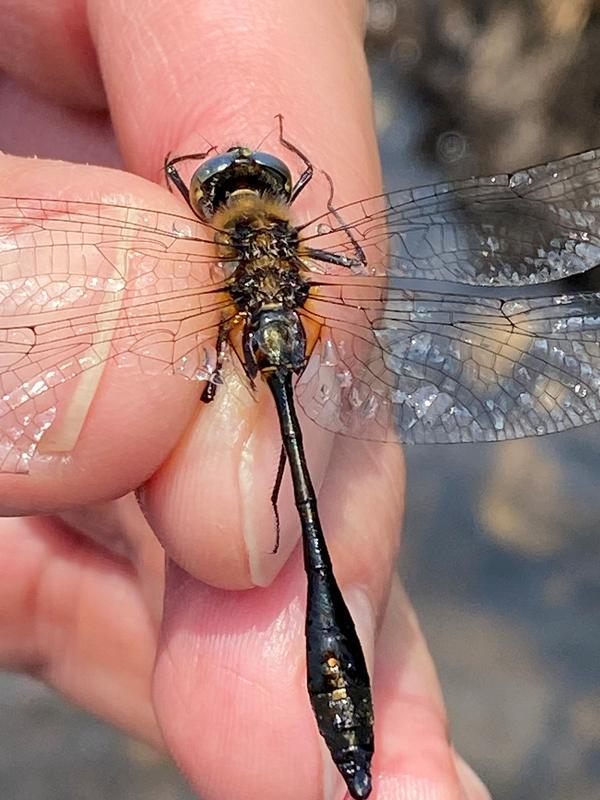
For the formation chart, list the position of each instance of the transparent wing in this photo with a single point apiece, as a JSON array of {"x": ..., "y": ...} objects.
[
  {"x": 433, "y": 368},
  {"x": 85, "y": 284},
  {"x": 532, "y": 226}
]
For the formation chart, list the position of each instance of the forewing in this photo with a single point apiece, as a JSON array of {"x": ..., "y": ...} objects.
[
  {"x": 433, "y": 368},
  {"x": 532, "y": 226},
  {"x": 83, "y": 285}
]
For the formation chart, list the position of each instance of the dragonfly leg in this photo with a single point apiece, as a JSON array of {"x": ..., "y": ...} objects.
[
  {"x": 331, "y": 258},
  {"x": 359, "y": 253},
  {"x": 208, "y": 394},
  {"x": 275, "y": 495},
  {"x": 306, "y": 176},
  {"x": 173, "y": 176}
]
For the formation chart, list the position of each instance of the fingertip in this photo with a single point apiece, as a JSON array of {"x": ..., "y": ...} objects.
[
  {"x": 193, "y": 500},
  {"x": 413, "y": 753},
  {"x": 110, "y": 424},
  {"x": 473, "y": 786},
  {"x": 37, "y": 126},
  {"x": 325, "y": 98},
  {"x": 127, "y": 432},
  {"x": 47, "y": 47},
  {"x": 232, "y": 664}
]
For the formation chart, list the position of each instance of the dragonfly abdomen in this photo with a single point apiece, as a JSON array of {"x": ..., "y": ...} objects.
[{"x": 338, "y": 682}]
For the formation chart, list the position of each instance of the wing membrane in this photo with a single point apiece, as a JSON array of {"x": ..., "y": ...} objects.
[
  {"x": 434, "y": 368},
  {"x": 533, "y": 226},
  {"x": 83, "y": 285}
]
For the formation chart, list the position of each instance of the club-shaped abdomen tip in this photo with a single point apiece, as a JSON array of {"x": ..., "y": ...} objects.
[{"x": 357, "y": 775}]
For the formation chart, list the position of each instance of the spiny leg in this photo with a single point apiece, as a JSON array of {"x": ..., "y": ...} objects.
[
  {"x": 275, "y": 495},
  {"x": 208, "y": 394},
  {"x": 175, "y": 178},
  {"x": 360, "y": 257},
  {"x": 306, "y": 176}
]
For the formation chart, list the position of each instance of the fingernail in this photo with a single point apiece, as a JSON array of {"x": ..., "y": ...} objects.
[
  {"x": 261, "y": 564},
  {"x": 471, "y": 783},
  {"x": 363, "y": 615}
]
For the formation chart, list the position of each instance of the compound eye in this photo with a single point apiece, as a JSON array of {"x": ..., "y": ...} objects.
[
  {"x": 213, "y": 166},
  {"x": 239, "y": 169},
  {"x": 204, "y": 179},
  {"x": 279, "y": 172}
]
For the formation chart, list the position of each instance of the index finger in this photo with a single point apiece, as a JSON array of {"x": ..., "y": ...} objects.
[
  {"x": 219, "y": 72},
  {"x": 203, "y": 480}
]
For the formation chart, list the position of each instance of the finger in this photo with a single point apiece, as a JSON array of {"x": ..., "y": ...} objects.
[
  {"x": 181, "y": 93},
  {"x": 78, "y": 617},
  {"x": 107, "y": 435},
  {"x": 230, "y": 681},
  {"x": 34, "y": 125},
  {"x": 47, "y": 47},
  {"x": 414, "y": 756},
  {"x": 471, "y": 783},
  {"x": 119, "y": 528}
]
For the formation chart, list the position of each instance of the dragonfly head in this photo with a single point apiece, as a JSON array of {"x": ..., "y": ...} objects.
[{"x": 238, "y": 170}]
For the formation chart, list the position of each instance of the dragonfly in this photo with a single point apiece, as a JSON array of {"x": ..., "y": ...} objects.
[{"x": 439, "y": 314}]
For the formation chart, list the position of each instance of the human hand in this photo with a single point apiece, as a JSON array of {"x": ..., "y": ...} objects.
[{"x": 220, "y": 676}]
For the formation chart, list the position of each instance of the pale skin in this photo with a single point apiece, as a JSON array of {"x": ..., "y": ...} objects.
[{"x": 216, "y": 677}]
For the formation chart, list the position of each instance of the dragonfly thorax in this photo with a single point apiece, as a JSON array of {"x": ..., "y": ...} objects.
[
  {"x": 260, "y": 247},
  {"x": 272, "y": 284},
  {"x": 254, "y": 228}
]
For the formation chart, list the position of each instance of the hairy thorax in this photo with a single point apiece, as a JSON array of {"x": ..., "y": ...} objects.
[{"x": 259, "y": 245}]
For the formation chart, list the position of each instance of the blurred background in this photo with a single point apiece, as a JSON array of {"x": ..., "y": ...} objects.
[{"x": 501, "y": 553}]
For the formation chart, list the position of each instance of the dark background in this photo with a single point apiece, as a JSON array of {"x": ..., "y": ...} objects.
[{"x": 501, "y": 544}]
